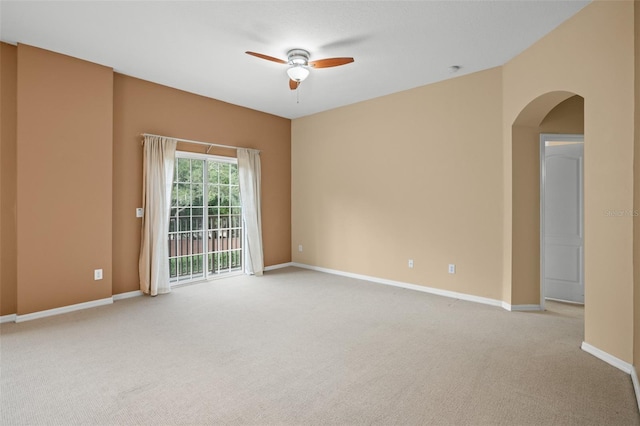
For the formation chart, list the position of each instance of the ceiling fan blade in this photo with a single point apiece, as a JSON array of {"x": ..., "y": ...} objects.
[
  {"x": 268, "y": 58},
  {"x": 330, "y": 62},
  {"x": 293, "y": 85}
]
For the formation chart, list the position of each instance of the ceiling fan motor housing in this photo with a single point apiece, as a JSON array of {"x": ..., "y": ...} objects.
[{"x": 298, "y": 57}]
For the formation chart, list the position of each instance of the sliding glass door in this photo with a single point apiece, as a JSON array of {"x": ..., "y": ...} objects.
[{"x": 205, "y": 224}]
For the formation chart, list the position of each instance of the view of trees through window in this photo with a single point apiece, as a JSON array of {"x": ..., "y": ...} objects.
[{"x": 205, "y": 223}]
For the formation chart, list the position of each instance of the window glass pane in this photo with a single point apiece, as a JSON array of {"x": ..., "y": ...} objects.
[
  {"x": 224, "y": 195},
  {"x": 233, "y": 171},
  {"x": 221, "y": 260},
  {"x": 173, "y": 247},
  {"x": 196, "y": 171},
  {"x": 196, "y": 195},
  {"x": 197, "y": 223},
  {"x": 197, "y": 266},
  {"x": 184, "y": 170},
  {"x": 213, "y": 195},
  {"x": 235, "y": 259},
  {"x": 224, "y": 173},
  {"x": 196, "y": 242},
  {"x": 234, "y": 196},
  {"x": 224, "y": 222},
  {"x": 185, "y": 266},
  {"x": 172, "y": 268},
  {"x": 184, "y": 194},
  {"x": 188, "y": 237},
  {"x": 213, "y": 171},
  {"x": 209, "y": 241},
  {"x": 174, "y": 195},
  {"x": 235, "y": 239},
  {"x": 183, "y": 243}
]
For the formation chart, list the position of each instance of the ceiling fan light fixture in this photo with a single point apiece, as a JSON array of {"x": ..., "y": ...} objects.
[
  {"x": 299, "y": 65},
  {"x": 298, "y": 73}
]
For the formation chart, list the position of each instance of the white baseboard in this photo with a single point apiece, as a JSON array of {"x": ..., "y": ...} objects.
[
  {"x": 278, "y": 266},
  {"x": 127, "y": 295},
  {"x": 69, "y": 308},
  {"x": 636, "y": 384},
  {"x": 8, "y": 318},
  {"x": 64, "y": 309},
  {"x": 608, "y": 358},
  {"x": 521, "y": 308},
  {"x": 424, "y": 289},
  {"x": 570, "y": 302}
]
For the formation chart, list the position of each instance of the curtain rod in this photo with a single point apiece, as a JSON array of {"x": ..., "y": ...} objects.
[{"x": 209, "y": 144}]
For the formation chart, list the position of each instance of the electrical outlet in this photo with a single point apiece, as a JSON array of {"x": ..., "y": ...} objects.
[
  {"x": 97, "y": 274},
  {"x": 452, "y": 268},
  {"x": 139, "y": 212},
  {"x": 300, "y": 248},
  {"x": 410, "y": 264}
]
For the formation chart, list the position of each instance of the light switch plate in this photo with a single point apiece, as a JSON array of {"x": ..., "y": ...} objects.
[{"x": 139, "y": 212}]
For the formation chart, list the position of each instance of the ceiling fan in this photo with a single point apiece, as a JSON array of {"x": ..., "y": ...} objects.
[{"x": 299, "y": 64}]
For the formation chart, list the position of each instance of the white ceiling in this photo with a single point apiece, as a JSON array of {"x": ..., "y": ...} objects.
[{"x": 199, "y": 46}]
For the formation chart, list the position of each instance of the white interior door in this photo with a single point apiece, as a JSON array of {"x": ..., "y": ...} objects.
[{"x": 562, "y": 218}]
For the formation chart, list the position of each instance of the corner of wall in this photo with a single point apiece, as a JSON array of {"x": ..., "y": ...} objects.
[{"x": 8, "y": 179}]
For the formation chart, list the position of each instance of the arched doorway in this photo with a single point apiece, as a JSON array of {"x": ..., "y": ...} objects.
[{"x": 553, "y": 112}]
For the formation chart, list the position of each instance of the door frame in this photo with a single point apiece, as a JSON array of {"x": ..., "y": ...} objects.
[{"x": 555, "y": 137}]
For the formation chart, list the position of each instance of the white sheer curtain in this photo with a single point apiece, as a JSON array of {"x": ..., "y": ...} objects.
[
  {"x": 249, "y": 175},
  {"x": 158, "y": 164}
]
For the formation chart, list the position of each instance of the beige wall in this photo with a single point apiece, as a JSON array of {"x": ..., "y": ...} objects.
[
  {"x": 8, "y": 182},
  {"x": 416, "y": 175},
  {"x": 599, "y": 66},
  {"x": 64, "y": 115},
  {"x": 525, "y": 252},
  {"x": 426, "y": 188},
  {"x": 143, "y": 107}
]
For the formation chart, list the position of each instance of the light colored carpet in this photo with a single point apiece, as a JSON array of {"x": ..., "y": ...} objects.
[{"x": 303, "y": 347}]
